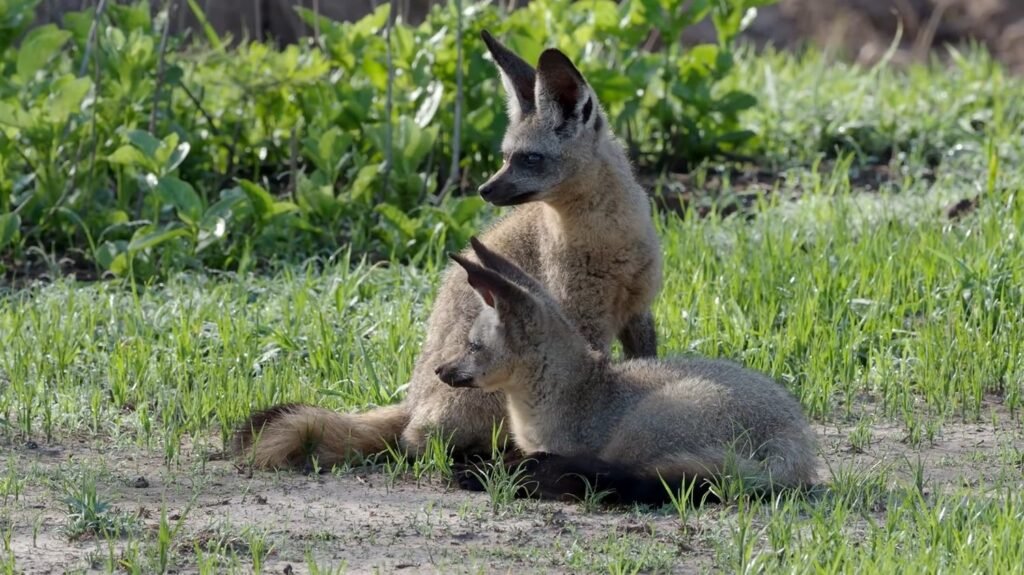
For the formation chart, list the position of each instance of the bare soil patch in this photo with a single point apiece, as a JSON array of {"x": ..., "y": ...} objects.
[{"x": 366, "y": 521}]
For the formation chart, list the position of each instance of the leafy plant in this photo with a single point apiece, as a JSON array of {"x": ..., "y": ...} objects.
[
  {"x": 131, "y": 151},
  {"x": 88, "y": 514}
]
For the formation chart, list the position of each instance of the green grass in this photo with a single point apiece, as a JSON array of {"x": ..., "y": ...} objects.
[{"x": 874, "y": 308}]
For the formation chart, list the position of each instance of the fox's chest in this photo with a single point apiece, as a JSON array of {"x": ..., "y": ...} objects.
[
  {"x": 524, "y": 432},
  {"x": 533, "y": 433},
  {"x": 606, "y": 286}
]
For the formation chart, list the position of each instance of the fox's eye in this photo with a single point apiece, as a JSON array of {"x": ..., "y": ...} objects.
[
  {"x": 528, "y": 160},
  {"x": 474, "y": 347}
]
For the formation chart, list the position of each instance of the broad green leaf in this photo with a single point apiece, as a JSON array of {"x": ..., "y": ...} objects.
[
  {"x": 284, "y": 208},
  {"x": 412, "y": 143},
  {"x": 691, "y": 14},
  {"x": 313, "y": 20},
  {"x": 335, "y": 143},
  {"x": 481, "y": 121},
  {"x": 177, "y": 157},
  {"x": 76, "y": 219},
  {"x": 114, "y": 216},
  {"x": 107, "y": 252},
  {"x": 143, "y": 240},
  {"x": 173, "y": 75},
  {"x": 129, "y": 156},
  {"x": 211, "y": 231},
  {"x": 262, "y": 201},
  {"x": 704, "y": 55},
  {"x": 316, "y": 197},
  {"x": 79, "y": 23},
  {"x": 182, "y": 196},
  {"x": 611, "y": 85},
  {"x": 119, "y": 265},
  {"x": 144, "y": 141},
  {"x": 428, "y": 109},
  {"x": 9, "y": 226},
  {"x": 132, "y": 17},
  {"x": 372, "y": 22},
  {"x": 362, "y": 187},
  {"x": 467, "y": 208},
  {"x": 165, "y": 151},
  {"x": 68, "y": 94},
  {"x": 14, "y": 116},
  {"x": 38, "y": 48},
  {"x": 376, "y": 72},
  {"x": 736, "y": 101},
  {"x": 228, "y": 207},
  {"x": 527, "y": 41},
  {"x": 119, "y": 225},
  {"x": 328, "y": 150},
  {"x": 397, "y": 218}
]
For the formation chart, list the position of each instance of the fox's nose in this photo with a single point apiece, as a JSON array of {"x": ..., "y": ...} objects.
[{"x": 486, "y": 190}]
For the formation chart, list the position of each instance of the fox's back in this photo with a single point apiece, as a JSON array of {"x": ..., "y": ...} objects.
[{"x": 692, "y": 404}]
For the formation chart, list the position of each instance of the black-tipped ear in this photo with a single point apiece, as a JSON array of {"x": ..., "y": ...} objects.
[
  {"x": 560, "y": 90},
  {"x": 497, "y": 262},
  {"x": 517, "y": 76},
  {"x": 490, "y": 285}
]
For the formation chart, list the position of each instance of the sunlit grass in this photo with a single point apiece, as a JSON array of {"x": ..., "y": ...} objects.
[{"x": 872, "y": 307}]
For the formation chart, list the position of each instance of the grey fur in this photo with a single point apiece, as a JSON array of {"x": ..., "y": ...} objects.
[{"x": 679, "y": 418}]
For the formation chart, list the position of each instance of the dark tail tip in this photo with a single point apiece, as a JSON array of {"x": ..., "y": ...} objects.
[{"x": 246, "y": 431}]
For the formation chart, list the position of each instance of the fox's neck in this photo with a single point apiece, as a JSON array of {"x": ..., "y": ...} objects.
[
  {"x": 606, "y": 189},
  {"x": 546, "y": 407}
]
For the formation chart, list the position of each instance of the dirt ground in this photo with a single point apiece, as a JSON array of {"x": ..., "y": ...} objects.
[{"x": 368, "y": 523}]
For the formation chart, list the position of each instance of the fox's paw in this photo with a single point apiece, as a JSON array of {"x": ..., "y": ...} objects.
[{"x": 468, "y": 477}]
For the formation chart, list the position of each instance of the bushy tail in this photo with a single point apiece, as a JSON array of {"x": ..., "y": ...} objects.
[{"x": 293, "y": 435}]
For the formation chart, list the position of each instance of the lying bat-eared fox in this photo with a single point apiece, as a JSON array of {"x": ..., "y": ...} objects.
[
  {"x": 621, "y": 427},
  {"x": 581, "y": 226}
]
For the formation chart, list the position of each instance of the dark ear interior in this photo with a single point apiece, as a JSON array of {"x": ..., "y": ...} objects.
[
  {"x": 519, "y": 75},
  {"x": 497, "y": 262},
  {"x": 491, "y": 286},
  {"x": 561, "y": 82}
]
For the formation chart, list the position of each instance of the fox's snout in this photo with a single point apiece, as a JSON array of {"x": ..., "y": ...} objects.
[
  {"x": 500, "y": 192},
  {"x": 453, "y": 376}
]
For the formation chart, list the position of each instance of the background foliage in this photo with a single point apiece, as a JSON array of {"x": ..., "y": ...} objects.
[{"x": 136, "y": 152}]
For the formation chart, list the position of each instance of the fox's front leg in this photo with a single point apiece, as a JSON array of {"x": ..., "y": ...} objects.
[
  {"x": 555, "y": 477},
  {"x": 638, "y": 336},
  {"x": 474, "y": 475}
]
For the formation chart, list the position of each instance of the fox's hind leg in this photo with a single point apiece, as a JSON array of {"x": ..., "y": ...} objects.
[
  {"x": 638, "y": 337},
  {"x": 550, "y": 476}
]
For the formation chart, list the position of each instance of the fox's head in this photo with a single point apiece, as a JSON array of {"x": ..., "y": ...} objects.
[
  {"x": 556, "y": 126},
  {"x": 518, "y": 329}
]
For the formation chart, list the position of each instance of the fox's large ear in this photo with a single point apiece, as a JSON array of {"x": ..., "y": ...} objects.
[
  {"x": 494, "y": 261},
  {"x": 517, "y": 76},
  {"x": 563, "y": 96},
  {"x": 495, "y": 290}
]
